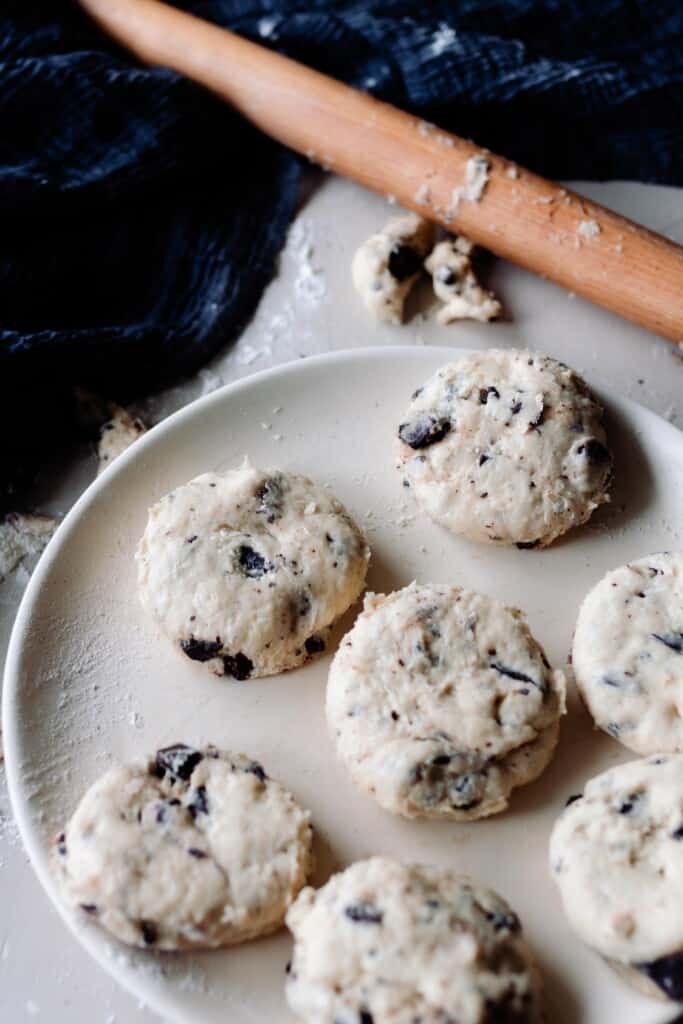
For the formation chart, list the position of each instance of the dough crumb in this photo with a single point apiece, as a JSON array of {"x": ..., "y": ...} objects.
[
  {"x": 387, "y": 265},
  {"x": 116, "y": 435},
  {"x": 456, "y": 285},
  {"x": 22, "y": 535}
]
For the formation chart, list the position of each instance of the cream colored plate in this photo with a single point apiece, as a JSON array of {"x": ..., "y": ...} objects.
[{"x": 90, "y": 681}]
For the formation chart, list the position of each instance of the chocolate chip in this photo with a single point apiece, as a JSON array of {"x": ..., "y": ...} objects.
[
  {"x": 364, "y": 913},
  {"x": 512, "y": 673},
  {"x": 365, "y": 1017},
  {"x": 256, "y": 769},
  {"x": 162, "y": 807},
  {"x": 314, "y": 644},
  {"x": 251, "y": 563},
  {"x": 501, "y": 920},
  {"x": 441, "y": 759},
  {"x": 573, "y": 798},
  {"x": 404, "y": 261},
  {"x": 89, "y": 908},
  {"x": 178, "y": 760},
  {"x": 667, "y": 973},
  {"x": 395, "y": 715},
  {"x": 199, "y": 854},
  {"x": 611, "y": 681},
  {"x": 149, "y": 932},
  {"x": 539, "y": 417},
  {"x": 61, "y": 844},
  {"x": 239, "y": 666},
  {"x": 515, "y": 408},
  {"x": 484, "y": 394},
  {"x": 483, "y": 459},
  {"x": 677, "y": 833},
  {"x": 627, "y": 805},
  {"x": 192, "y": 539},
  {"x": 594, "y": 451},
  {"x": 271, "y": 496},
  {"x": 423, "y": 431},
  {"x": 527, "y": 545},
  {"x": 446, "y": 276},
  {"x": 201, "y": 650},
  {"x": 674, "y": 641},
  {"x": 288, "y": 967},
  {"x": 199, "y": 804}
]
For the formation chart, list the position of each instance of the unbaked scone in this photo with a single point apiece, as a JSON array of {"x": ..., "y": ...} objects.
[
  {"x": 388, "y": 943},
  {"x": 456, "y": 285},
  {"x": 193, "y": 849},
  {"x": 388, "y": 264},
  {"x": 440, "y": 702},
  {"x": 247, "y": 570},
  {"x": 505, "y": 447},
  {"x": 616, "y": 854},
  {"x": 628, "y": 653}
]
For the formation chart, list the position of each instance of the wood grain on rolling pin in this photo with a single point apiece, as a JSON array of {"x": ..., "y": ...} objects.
[{"x": 528, "y": 220}]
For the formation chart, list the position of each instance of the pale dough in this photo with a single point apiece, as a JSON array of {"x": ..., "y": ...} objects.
[
  {"x": 440, "y": 702},
  {"x": 616, "y": 854},
  {"x": 193, "y": 849},
  {"x": 388, "y": 943},
  {"x": 388, "y": 264},
  {"x": 247, "y": 570},
  {"x": 456, "y": 285},
  {"x": 628, "y": 653},
  {"x": 505, "y": 446}
]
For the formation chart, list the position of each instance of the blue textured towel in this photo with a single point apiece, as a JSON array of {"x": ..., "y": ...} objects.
[{"x": 135, "y": 242}]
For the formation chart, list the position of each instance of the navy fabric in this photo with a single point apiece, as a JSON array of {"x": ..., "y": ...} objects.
[{"x": 142, "y": 218}]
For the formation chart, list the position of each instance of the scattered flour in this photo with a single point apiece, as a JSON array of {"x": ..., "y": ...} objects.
[
  {"x": 476, "y": 178},
  {"x": 443, "y": 38},
  {"x": 588, "y": 228},
  {"x": 267, "y": 27},
  {"x": 422, "y": 196},
  {"x": 310, "y": 285}
]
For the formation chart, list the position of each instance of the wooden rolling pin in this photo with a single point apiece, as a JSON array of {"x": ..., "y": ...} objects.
[{"x": 535, "y": 223}]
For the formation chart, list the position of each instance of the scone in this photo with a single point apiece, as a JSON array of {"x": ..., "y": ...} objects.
[
  {"x": 388, "y": 264},
  {"x": 440, "y": 702},
  {"x": 505, "y": 447},
  {"x": 388, "y": 943},
  {"x": 628, "y": 653},
  {"x": 193, "y": 849},
  {"x": 616, "y": 854},
  {"x": 246, "y": 571}
]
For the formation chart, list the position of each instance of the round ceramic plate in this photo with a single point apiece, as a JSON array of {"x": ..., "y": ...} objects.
[{"x": 90, "y": 680}]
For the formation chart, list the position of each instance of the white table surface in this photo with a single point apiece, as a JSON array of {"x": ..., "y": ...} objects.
[{"x": 310, "y": 308}]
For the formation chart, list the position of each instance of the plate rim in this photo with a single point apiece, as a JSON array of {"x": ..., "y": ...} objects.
[{"x": 11, "y": 677}]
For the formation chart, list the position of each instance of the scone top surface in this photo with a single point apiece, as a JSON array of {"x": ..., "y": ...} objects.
[
  {"x": 393, "y": 943},
  {"x": 505, "y": 447},
  {"x": 628, "y": 653},
  {"x": 193, "y": 849},
  {"x": 440, "y": 701},
  {"x": 616, "y": 854},
  {"x": 246, "y": 570}
]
